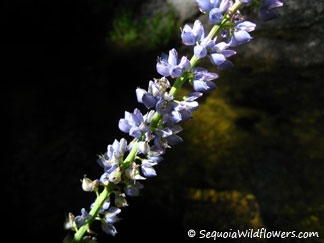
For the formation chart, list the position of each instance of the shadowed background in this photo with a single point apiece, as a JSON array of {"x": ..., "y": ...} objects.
[{"x": 252, "y": 156}]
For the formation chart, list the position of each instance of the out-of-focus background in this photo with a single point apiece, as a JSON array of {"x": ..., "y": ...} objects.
[{"x": 252, "y": 157}]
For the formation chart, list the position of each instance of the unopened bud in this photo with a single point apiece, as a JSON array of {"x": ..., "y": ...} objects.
[
  {"x": 115, "y": 176},
  {"x": 89, "y": 185}
]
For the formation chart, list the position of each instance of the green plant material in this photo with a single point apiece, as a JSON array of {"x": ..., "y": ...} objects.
[
  {"x": 125, "y": 29},
  {"x": 130, "y": 31},
  {"x": 160, "y": 30}
]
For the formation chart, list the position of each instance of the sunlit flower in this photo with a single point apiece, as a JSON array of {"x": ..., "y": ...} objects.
[
  {"x": 171, "y": 65},
  {"x": 190, "y": 35},
  {"x": 241, "y": 33}
]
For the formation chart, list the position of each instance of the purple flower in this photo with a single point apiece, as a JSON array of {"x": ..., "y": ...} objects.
[
  {"x": 204, "y": 5},
  {"x": 104, "y": 206},
  {"x": 215, "y": 16},
  {"x": 110, "y": 161},
  {"x": 133, "y": 124},
  {"x": 157, "y": 90},
  {"x": 143, "y": 147},
  {"x": 190, "y": 35},
  {"x": 171, "y": 65},
  {"x": 147, "y": 168},
  {"x": 108, "y": 228},
  {"x": 219, "y": 55},
  {"x": 202, "y": 80},
  {"x": 109, "y": 219},
  {"x": 266, "y": 11},
  {"x": 111, "y": 215},
  {"x": 186, "y": 107},
  {"x": 163, "y": 107},
  {"x": 156, "y": 95},
  {"x": 241, "y": 35},
  {"x": 201, "y": 49},
  {"x": 216, "y": 9},
  {"x": 133, "y": 191},
  {"x": 162, "y": 143},
  {"x": 112, "y": 175},
  {"x": 133, "y": 173},
  {"x": 181, "y": 111},
  {"x": 145, "y": 98},
  {"x": 245, "y": 1},
  {"x": 166, "y": 136},
  {"x": 155, "y": 156},
  {"x": 81, "y": 220}
]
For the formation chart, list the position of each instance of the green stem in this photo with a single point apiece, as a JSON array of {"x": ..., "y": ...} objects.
[
  {"x": 155, "y": 121},
  {"x": 103, "y": 196},
  {"x": 227, "y": 17},
  {"x": 131, "y": 156},
  {"x": 94, "y": 211}
]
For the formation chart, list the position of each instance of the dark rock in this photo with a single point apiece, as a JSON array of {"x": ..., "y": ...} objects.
[{"x": 295, "y": 37}]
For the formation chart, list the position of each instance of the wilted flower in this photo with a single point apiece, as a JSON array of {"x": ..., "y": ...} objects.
[
  {"x": 133, "y": 173},
  {"x": 69, "y": 223},
  {"x": 120, "y": 200}
]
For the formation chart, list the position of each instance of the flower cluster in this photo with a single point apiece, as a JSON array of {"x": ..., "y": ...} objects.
[{"x": 126, "y": 165}]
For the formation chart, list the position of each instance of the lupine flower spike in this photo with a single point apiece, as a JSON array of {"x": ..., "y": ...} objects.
[{"x": 128, "y": 164}]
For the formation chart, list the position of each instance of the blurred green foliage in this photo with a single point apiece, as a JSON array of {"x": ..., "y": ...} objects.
[{"x": 129, "y": 31}]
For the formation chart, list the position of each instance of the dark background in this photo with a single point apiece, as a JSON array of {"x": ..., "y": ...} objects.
[{"x": 251, "y": 158}]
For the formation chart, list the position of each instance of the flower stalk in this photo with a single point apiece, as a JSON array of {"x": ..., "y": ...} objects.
[
  {"x": 94, "y": 211},
  {"x": 155, "y": 131},
  {"x": 131, "y": 156}
]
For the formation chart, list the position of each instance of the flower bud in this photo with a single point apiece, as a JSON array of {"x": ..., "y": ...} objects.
[
  {"x": 89, "y": 185},
  {"x": 115, "y": 176}
]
